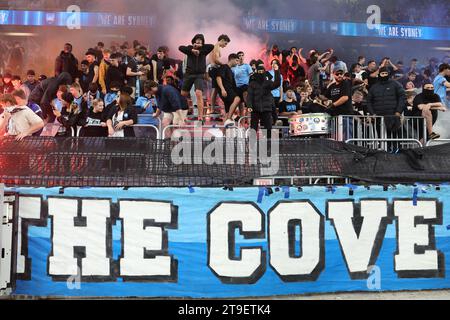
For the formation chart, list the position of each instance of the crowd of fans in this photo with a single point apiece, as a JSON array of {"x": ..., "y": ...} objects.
[{"x": 110, "y": 90}]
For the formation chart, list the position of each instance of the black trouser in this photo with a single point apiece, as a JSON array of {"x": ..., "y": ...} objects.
[
  {"x": 275, "y": 110},
  {"x": 266, "y": 122},
  {"x": 393, "y": 129}
]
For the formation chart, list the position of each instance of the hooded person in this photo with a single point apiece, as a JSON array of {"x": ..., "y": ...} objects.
[
  {"x": 196, "y": 69},
  {"x": 387, "y": 98},
  {"x": 260, "y": 101},
  {"x": 46, "y": 91},
  {"x": 427, "y": 104},
  {"x": 66, "y": 62}
]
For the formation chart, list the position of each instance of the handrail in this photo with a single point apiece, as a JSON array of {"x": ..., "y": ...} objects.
[
  {"x": 158, "y": 132},
  {"x": 180, "y": 127},
  {"x": 437, "y": 140},
  {"x": 386, "y": 140},
  {"x": 100, "y": 126}
]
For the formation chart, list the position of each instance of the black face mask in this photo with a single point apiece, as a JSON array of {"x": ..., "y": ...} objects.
[
  {"x": 384, "y": 79},
  {"x": 259, "y": 77},
  {"x": 428, "y": 93}
]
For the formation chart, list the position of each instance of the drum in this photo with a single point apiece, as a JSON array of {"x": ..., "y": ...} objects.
[{"x": 310, "y": 125}]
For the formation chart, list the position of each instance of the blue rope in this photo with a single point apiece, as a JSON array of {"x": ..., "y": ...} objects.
[
  {"x": 287, "y": 192},
  {"x": 261, "y": 193}
]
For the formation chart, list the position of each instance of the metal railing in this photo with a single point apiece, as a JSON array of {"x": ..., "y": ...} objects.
[
  {"x": 380, "y": 133},
  {"x": 437, "y": 141},
  {"x": 392, "y": 141},
  {"x": 203, "y": 131},
  {"x": 147, "y": 126},
  {"x": 365, "y": 131}
]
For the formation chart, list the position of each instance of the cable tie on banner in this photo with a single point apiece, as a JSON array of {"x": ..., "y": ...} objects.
[
  {"x": 448, "y": 227},
  {"x": 287, "y": 192},
  {"x": 277, "y": 189},
  {"x": 269, "y": 192},
  {"x": 261, "y": 193},
  {"x": 352, "y": 189},
  {"x": 61, "y": 190},
  {"x": 300, "y": 189},
  {"x": 191, "y": 189},
  {"x": 423, "y": 187},
  {"x": 415, "y": 196},
  {"x": 331, "y": 189}
]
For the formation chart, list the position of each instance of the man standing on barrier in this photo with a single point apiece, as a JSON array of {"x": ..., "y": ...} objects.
[
  {"x": 387, "y": 98},
  {"x": 196, "y": 69},
  {"x": 227, "y": 88},
  {"x": 260, "y": 101}
]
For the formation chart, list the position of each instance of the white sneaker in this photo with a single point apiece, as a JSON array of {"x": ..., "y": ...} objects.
[{"x": 230, "y": 123}]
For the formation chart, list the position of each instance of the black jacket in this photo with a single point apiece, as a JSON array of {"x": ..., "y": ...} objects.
[
  {"x": 114, "y": 74},
  {"x": 66, "y": 62},
  {"x": 386, "y": 98},
  {"x": 46, "y": 90},
  {"x": 73, "y": 119},
  {"x": 196, "y": 64},
  {"x": 260, "y": 97}
]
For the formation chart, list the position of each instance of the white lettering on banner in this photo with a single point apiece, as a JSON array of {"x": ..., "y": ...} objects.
[
  {"x": 417, "y": 255},
  {"x": 360, "y": 233},
  {"x": 222, "y": 223},
  {"x": 83, "y": 231},
  {"x": 30, "y": 211},
  {"x": 145, "y": 242},
  {"x": 104, "y": 19},
  {"x": 374, "y": 20},
  {"x": 282, "y": 222},
  {"x": 82, "y": 238}
]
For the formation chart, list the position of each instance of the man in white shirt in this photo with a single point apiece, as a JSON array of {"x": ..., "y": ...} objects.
[{"x": 19, "y": 121}]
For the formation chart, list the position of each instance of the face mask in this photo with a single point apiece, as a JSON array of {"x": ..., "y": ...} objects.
[
  {"x": 259, "y": 77},
  {"x": 428, "y": 93},
  {"x": 384, "y": 79}
]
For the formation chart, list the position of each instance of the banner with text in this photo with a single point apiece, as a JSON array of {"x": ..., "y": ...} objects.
[
  {"x": 217, "y": 243},
  {"x": 345, "y": 29}
]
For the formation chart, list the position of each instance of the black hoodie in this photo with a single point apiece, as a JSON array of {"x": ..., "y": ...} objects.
[
  {"x": 66, "y": 62},
  {"x": 46, "y": 91},
  {"x": 196, "y": 64}
]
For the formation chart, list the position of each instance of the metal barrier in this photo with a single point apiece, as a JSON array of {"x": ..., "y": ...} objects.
[
  {"x": 201, "y": 130},
  {"x": 372, "y": 132},
  {"x": 443, "y": 141},
  {"x": 150, "y": 126},
  {"x": 408, "y": 141},
  {"x": 301, "y": 181},
  {"x": 241, "y": 121},
  {"x": 157, "y": 131}
]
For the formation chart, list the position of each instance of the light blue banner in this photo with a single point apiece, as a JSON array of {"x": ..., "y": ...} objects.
[
  {"x": 187, "y": 242},
  {"x": 74, "y": 19},
  {"x": 346, "y": 29},
  {"x": 255, "y": 24}
]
